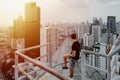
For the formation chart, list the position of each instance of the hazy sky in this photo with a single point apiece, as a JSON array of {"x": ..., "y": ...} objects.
[{"x": 61, "y": 10}]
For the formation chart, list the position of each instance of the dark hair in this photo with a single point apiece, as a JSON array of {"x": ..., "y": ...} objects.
[{"x": 73, "y": 36}]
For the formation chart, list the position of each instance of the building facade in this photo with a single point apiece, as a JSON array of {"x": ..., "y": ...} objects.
[
  {"x": 17, "y": 34},
  {"x": 32, "y": 28},
  {"x": 88, "y": 40}
]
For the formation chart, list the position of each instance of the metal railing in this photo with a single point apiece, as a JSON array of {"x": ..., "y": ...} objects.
[
  {"x": 33, "y": 61},
  {"x": 114, "y": 50},
  {"x": 84, "y": 64}
]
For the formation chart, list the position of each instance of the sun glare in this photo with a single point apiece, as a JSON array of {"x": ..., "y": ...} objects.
[
  {"x": 10, "y": 10},
  {"x": 11, "y": 4}
]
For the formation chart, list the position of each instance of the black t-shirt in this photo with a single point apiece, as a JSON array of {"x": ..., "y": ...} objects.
[{"x": 76, "y": 47}]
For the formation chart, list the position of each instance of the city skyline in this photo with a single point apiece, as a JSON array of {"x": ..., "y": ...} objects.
[
  {"x": 37, "y": 51},
  {"x": 54, "y": 11}
]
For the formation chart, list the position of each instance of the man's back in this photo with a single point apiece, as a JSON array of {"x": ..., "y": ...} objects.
[{"x": 76, "y": 47}]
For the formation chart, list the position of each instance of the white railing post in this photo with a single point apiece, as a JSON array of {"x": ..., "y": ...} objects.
[
  {"x": 108, "y": 68},
  {"x": 16, "y": 67},
  {"x": 83, "y": 61},
  {"x": 93, "y": 60},
  {"x": 90, "y": 59}
]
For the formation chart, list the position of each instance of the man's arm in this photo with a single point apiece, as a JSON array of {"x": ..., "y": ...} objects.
[{"x": 73, "y": 54}]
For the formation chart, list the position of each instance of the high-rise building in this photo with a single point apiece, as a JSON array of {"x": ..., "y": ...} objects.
[
  {"x": 111, "y": 24},
  {"x": 87, "y": 27},
  {"x": 81, "y": 29},
  {"x": 19, "y": 27},
  {"x": 118, "y": 27},
  {"x": 96, "y": 33},
  {"x": 32, "y": 28},
  {"x": 52, "y": 37},
  {"x": 95, "y": 21},
  {"x": 111, "y": 28},
  {"x": 88, "y": 40},
  {"x": 19, "y": 32},
  {"x": 32, "y": 12}
]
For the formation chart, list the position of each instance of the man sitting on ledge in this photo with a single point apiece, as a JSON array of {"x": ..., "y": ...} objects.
[{"x": 73, "y": 55}]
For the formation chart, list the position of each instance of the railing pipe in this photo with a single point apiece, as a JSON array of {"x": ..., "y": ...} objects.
[
  {"x": 83, "y": 65},
  {"x": 26, "y": 74},
  {"x": 34, "y": 47},
  {"x": 108, "y": 68},
  {"x": 53, "y": 72},
  {"x": 92, "y": 52}
]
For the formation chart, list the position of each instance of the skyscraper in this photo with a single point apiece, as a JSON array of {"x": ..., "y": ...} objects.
[
  {"x": 32, "y": 28},
  {"x": 111, "y": 28},
  {"x": 88, "y": 40},
  {"x": 19, "y": 27},
  {"x": 19, "y": 32},
  {"x": 111, "y": 23},
  {"x": 96, "y": 33}
]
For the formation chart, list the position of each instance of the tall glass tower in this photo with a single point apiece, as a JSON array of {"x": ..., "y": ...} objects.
[{"x": 32, "y": 28}]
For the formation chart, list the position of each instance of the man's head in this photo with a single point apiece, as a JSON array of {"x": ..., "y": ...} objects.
[{"x": 73, "y": 36}]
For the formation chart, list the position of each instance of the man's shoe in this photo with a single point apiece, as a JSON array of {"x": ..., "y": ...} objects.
[{"x": 65, "y": 67}]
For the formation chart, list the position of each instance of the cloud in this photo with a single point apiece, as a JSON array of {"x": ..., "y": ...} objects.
[
  {"x": 107, "y": 2},
  {"x": 89, "y": 3},
  {"x": 80, "y": 10},
  {"x": 77, "y": 3}
]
